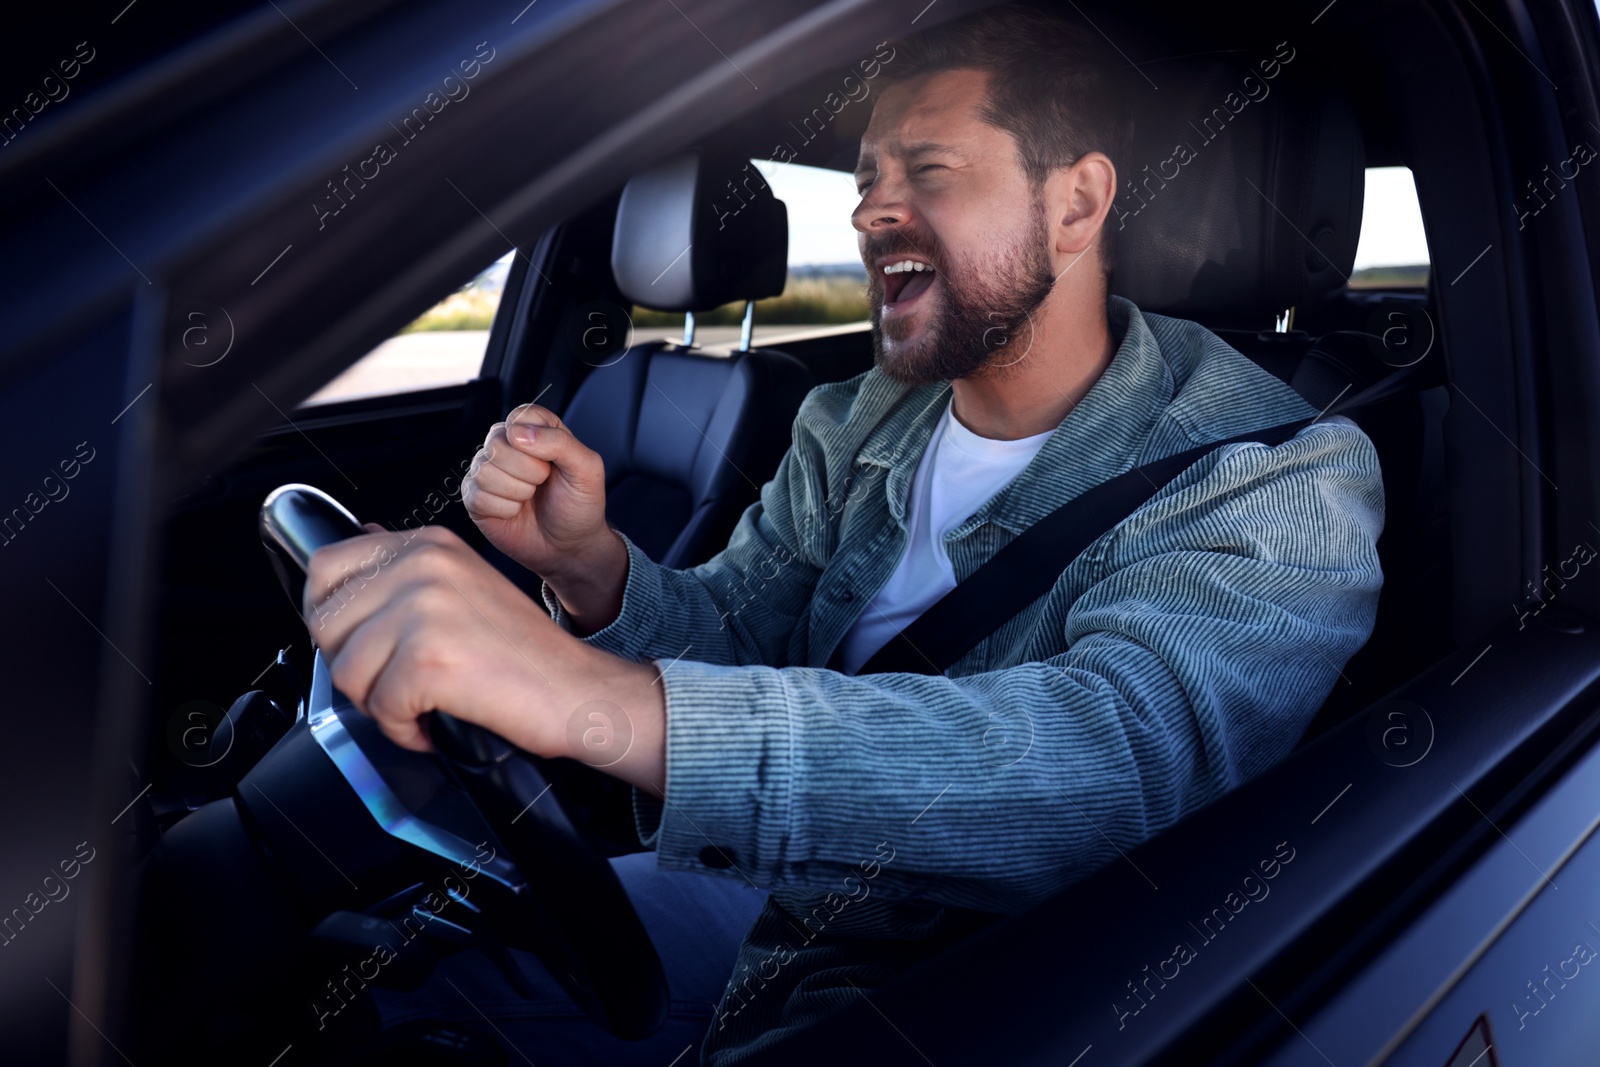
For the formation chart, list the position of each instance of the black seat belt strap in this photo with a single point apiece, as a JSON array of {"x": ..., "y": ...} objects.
[{"x": 1033, "y": 562}]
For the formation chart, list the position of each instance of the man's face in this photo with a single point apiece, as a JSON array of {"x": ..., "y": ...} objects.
[{"x": 946, "y": 193}]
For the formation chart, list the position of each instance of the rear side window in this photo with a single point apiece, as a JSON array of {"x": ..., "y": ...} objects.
[
  {"x": 1392, "y": 252},
  {"x": 442, "y": 346},
  {"x": 827, "y": 284}
]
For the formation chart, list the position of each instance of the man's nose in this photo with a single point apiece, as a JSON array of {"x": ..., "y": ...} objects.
[{"x": 882, "y": 206}]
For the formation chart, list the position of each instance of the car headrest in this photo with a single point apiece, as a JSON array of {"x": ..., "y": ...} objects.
[
  {"x": 697, "y": 232},
  {"x": 1242, "y": 194}
]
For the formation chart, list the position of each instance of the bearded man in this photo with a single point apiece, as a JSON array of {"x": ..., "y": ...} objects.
[{"x": 867, "y": 819}]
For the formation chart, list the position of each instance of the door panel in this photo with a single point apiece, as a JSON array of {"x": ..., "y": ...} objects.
[
  {"x": 1516, "y": 939},
  {"x": 223, "y": 615},
  {"x": 1363, "y": 832}
]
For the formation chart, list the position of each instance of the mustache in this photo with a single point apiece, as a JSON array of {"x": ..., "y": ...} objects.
[{"x": 903, "y": 241}]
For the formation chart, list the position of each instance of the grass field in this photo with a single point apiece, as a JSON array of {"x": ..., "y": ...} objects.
[
  {"x": 805, "y": 301},
  {"x": 469, "y": 309},
  {"x": 1390, "y": 277}
]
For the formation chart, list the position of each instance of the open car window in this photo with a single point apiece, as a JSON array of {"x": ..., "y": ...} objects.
[
  {"x": 442, "y": 346},
  {"x": 1392, "y": 251}
]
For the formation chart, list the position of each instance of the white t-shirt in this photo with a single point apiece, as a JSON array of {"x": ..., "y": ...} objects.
[{"x": 959, "y": 472}]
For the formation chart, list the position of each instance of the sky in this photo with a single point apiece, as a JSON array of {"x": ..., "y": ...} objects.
[
  {"x": 820, "y": 202},
  {"x": 1391, "y": 221}
]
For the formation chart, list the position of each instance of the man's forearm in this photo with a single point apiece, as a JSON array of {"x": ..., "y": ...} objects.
[
  {"x": 590, "y": 587},
  {"x": 618, "y": 722},
  {"x": 739, "y": 607}
]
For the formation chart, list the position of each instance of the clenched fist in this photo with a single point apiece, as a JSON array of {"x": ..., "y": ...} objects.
[{"x": 539, "y": 495}]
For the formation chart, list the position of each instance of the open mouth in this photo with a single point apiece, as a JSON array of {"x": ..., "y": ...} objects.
[{"x": 904, "y": 280}]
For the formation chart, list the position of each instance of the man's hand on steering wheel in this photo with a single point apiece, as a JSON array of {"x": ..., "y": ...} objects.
[{"x": 416, "y": 622}]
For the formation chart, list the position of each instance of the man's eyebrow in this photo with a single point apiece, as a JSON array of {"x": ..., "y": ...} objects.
[
  {"x": 922, "y": 148},
  {"x": 917, "y": 148}
]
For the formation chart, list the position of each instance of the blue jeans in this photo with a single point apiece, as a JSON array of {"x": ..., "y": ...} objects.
[{"x": 696, "y": 921}]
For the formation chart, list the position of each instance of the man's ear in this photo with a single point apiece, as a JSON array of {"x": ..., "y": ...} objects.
[{"x": 1078, "y": 198}]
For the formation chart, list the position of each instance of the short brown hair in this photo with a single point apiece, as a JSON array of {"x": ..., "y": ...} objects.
[{"x": 1052, "y": 86}]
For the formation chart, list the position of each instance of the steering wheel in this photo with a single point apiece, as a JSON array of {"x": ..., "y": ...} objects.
[{"x": 590, "y": 935}]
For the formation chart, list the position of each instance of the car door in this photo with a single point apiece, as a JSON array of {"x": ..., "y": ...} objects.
[{"x": 390, "y": 437}]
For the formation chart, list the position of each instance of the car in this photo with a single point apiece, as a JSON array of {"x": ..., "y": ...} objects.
[{"x": 211, "y": 221}]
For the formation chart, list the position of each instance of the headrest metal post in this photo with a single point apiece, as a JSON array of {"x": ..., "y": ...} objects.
[
  {"x": 688, "y": 329},
  {"x": 748, "y": 326},
  {"x": 1284, "y": 322}
]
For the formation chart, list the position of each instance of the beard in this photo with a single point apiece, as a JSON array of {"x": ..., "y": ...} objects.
[{"x": 980, "y": 308}]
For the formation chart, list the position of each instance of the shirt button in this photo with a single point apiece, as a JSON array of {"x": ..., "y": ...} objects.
[
  {"x": 846, "y": 595},
  {"x": 718, "y": 859}
]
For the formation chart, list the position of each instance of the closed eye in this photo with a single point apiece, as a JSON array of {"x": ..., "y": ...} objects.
[{"x": 862, "y": 187}]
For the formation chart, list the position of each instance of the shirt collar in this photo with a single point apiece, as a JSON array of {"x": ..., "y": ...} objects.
[{"x": 1102, "y": 436}]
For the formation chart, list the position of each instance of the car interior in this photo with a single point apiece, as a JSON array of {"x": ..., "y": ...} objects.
[
  {"x": 1253, "y": 235},
  {"x": 689, "y": 434}
]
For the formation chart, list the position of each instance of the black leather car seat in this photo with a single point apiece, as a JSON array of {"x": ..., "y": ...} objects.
[
  {"x": 689, "y": 437},
  {"x": 1242, "y": 198}
]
